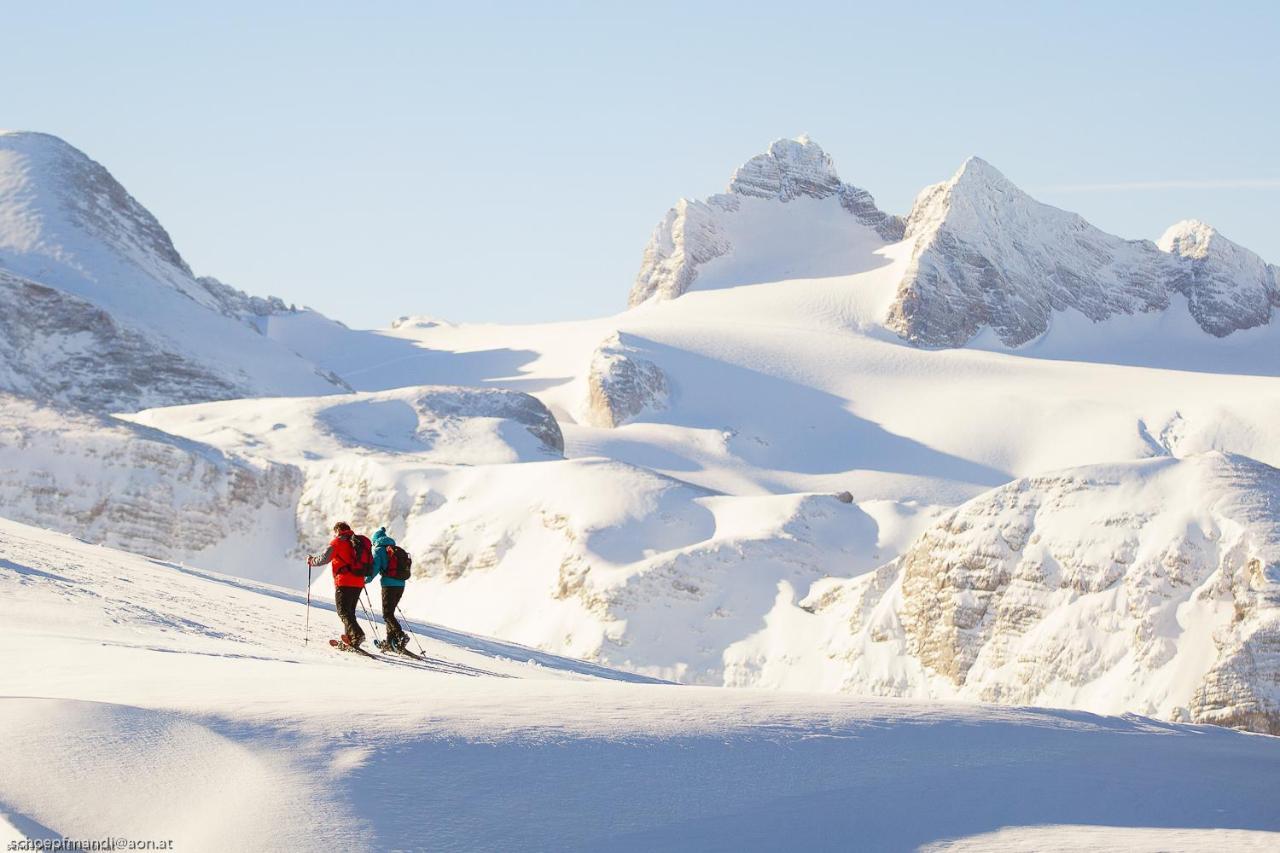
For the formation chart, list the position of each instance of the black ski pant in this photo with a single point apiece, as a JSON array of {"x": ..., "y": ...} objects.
[
  {"x": 347, "y": 597},
  {"x": 390, "y": 598}
]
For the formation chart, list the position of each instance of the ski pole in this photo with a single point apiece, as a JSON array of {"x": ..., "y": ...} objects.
[
  {"x": 306, "y": 631},
  {"x": 417, "y": 642},
  {"x": 368, "y": 615}
]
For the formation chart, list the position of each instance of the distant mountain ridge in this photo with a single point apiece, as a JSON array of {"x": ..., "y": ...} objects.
[
  {"x": 987, "y": 255},
  {"x": 984, "y": 254}
]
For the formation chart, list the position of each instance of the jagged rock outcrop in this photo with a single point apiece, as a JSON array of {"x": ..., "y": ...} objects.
[
  {"x": 141, "y": 490},
  {"x": 693, "y": 233},
  {"x": 1151, "y": 587},
  {"x": 987, "y": 255},
  {"x": 1228, "y": 288},
  {"x": 68, "y": 226},
  {"x": 243, "y": 306},
  {"x": 622, "y": 384}
]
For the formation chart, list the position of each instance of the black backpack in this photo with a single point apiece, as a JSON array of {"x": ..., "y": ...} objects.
[{"x": 400, "y": 564}]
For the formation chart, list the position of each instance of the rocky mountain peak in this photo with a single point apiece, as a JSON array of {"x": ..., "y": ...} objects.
[
  {"x": 789, "y": 169},
  {"x": 694, "y": 233},
  {"x": 1190, "y": 238},
  {"x": 1227, "y": 286}
]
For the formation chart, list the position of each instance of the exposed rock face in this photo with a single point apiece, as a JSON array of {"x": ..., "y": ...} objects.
[
  {"x": 1228, "y": 288},
  {"x": 58, "y": 347},
  {"x": 621, "y": 384},
  {"x": 987, "y": 255},
  {"x": 1168, "y": 604},
  {"x": 122, "y": 291},
  {"x": 696, "y": 232},
  {"x": 243, "y": 306},
  {"x": 138, "y": 489},
  {"x": 686, "y": 238}
]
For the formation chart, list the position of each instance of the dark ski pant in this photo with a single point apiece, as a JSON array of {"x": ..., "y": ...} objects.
[
  {"x": 390, "y": 598},
  {"x": 347, "y": 597}
]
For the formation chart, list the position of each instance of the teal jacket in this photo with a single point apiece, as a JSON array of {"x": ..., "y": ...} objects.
[{"x": 380, "y": 542}]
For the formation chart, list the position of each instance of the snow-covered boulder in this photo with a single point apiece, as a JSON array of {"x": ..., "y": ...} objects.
[
  {"x": 66, "y": 224},
  {"x": 1228, "y": 288},
  {"x": 138, "y": 489},
  {"x": 622, "y": 384},
  {"x": 786, "y": 206},
  {"x": 1150, "y": 587}
]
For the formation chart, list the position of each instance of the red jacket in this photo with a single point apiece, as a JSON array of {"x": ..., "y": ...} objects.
[{"x": 343, "y": 556}]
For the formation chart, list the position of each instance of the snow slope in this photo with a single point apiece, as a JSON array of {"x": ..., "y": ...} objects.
[
  {"x": 194, "y": 692},
  {"x": 68, "y": 226}
]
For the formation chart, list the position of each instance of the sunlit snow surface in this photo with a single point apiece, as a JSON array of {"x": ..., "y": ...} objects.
[{"x": 147, "y": 700}]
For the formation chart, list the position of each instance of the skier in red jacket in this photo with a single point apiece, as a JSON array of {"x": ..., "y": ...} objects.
[{"x": 352, "y": 557}]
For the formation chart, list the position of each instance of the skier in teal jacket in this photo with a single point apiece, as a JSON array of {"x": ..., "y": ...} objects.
[{"x": 392, "y": 581}]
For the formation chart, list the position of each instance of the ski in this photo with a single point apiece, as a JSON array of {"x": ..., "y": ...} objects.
[
  {"x": 389, "y": 650},
  {"x": 343, "y": 647}
]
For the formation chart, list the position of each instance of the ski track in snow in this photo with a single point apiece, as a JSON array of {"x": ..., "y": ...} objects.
[{"x": 189, "y": 696}]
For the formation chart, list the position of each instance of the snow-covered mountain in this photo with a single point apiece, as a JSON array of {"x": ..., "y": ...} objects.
[
  {"x": 987, "y": 255},
  {"x": 785, "y": 214},
  {"x": 101, "y": 310},
  {"x": 1146, "y": 586},
  {"x": 982, "y": 253}
]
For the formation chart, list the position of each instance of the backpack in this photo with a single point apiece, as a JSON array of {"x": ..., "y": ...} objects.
[
  {"x": 399, "y": 563},
  {"x": 363, "y": 549}
]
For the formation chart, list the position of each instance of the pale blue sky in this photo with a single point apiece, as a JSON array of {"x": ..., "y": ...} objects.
[{"x": 481, "y": 161}]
